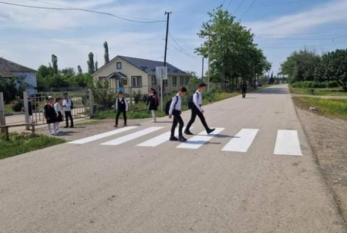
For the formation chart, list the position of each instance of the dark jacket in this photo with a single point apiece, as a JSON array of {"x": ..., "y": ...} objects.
[
  {"x": 153, "y": 102},
  {"x": 50, "y": 114}
]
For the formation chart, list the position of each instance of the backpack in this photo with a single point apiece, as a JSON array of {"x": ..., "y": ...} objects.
[
  {"x": 168, "y": 105},
  {"x": 157, "y": 101},
  {"x": 71, "y": 107},
  {"x": 191, "y": 101}
]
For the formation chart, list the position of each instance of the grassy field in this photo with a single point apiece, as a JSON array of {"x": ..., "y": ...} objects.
[
  {"x": 319, "y": 91},
  {"x": 327, "y": 107},
  {"x": 139, "y": 111},
  {"x": 23, "y": 143},
  {"x": 8, "y": 108}
]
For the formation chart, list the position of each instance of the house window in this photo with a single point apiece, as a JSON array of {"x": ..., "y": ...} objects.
[
  {"x": 154, "y": 80},
  {"x": 136, "y": 81},
  {"x": 181, "y": 80},
  {"x": 165, "y": 83},
  {"x": 174, "y": 81},
  {"x": 119, "y": 65},
  {"x": 186, "y": 80}
]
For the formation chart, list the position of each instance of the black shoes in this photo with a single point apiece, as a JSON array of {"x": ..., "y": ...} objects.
[
  {"x": 188, "y": 132},
  {"x": 182, "y": 139},
  {"x": 173, "y": 139},
  {"x": 209, "y": 131}
]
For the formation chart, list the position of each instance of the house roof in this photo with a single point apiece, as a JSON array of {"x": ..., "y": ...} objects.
[
  {"x": 7, "y": 68},
  {"x": 149, "y": 66}
]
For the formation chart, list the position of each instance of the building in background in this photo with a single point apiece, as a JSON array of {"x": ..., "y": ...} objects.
[
  {"x": 9, "y": 69},
  {"x": 138, "y": 75}
]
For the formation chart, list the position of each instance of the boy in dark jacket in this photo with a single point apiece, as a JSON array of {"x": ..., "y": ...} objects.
[
  {"x": 121, "y": 107},
  {"x": 153, "y": 103}
]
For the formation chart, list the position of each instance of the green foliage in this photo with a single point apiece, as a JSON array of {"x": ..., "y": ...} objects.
[
  {"x": 106, "y": 56},
  {"x": 91, "y": 64},
  {"x": 9, "y": 88},
  {"x": 55, "y": 63},
  {"x": 137, "y": 97},
  {"x": 17, "y": 106},
  {"x": 327, "y": 107},
  {"x": 314, "y": 84},
  {"x": 233, "y": 53},
  {"x": 104, "y": 97},
  {"x": 300, "y": 66},
  {"x": 23, "y": 143}
]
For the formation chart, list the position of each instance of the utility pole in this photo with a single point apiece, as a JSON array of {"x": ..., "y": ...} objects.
[
  {"x": 209, "y": 68},
  {"x": 202, "y": 74},
  {"x": 167, "y": 34}
]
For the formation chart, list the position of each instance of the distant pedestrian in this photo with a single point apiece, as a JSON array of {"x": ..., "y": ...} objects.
[
  {"x": 175, "y": 111},
  {"x": 68, "y": 107},
  {"x": 153, "y": 103},
  {"x": 59, "y": 110},
  {"x": 195, "y": 103},
  {"x": 121, "y": 107},
  {"x": 50, "y": 115},
  {"x": 244, "y": 89}
]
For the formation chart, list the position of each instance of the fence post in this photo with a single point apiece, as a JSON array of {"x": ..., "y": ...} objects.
[
  {"x": 91, "y": 103},
  {"x": 26, "y": 109},
  {"x": 131, "y": 96},
  {"x": 2, "y": 111}
]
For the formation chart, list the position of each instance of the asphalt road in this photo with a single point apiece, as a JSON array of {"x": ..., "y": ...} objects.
[{"x": 114, "y": 185}]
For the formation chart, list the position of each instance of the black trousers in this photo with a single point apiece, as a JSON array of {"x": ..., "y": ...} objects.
[
  {"x": 124, "y": 116},
  {"x": 196, "y": 112},
  {"x": 68, "y": 116},
  {"x": 244, "y": 93},
  {"x": 177, "y": 120}
]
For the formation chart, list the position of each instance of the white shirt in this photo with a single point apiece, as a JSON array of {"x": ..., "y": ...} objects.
[
  {"x": 67, "y": 104},
  {"x": 57, "y": 107},
  {"x": 197, "y": 99},
  {"x": 126, "y": 103},
  {"x": 176, "y": 104}
]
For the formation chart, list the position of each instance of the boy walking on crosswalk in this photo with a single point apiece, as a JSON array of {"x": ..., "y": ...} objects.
[
  {"x": 121, "y": 107},
  {"x": 195, "y": 105},
  {"x": 175, "y": 111}
]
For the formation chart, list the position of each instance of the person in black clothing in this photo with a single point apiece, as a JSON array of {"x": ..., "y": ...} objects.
[
  {"x": 244, "y": 89},
  {"x": 121, "y": 107},
  {"x": 153, "y": 103},
  {"x": 175, "y": 111},
  {"x": 68, "y": 107},
  {"x": 50, "y": 114},
  {"x": 197, "y": 110}
]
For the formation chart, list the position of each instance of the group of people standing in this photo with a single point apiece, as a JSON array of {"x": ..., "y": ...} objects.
[{"x": 54, "y": 112}]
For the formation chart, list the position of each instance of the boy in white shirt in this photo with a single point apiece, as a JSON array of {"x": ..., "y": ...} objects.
[
  {"x": 175, "y": 111},
  {"x": 68, "y": 106}
]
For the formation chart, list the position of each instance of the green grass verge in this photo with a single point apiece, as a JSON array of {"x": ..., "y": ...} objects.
[
  {"x": 319, "y": 91},
  {"x": 327, "y": 107},
  {"x": 23, "y": 143},
  {"x": 139, "y": 111},
  {"x": 8, "y": 108}
]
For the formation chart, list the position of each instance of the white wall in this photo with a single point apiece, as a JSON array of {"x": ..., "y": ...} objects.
[{"x": 30, "y": 79}]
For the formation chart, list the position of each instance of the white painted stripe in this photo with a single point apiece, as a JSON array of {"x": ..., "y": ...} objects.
[
  {"x": 242, "y": 141},
  {"x": 132, "y": 136},
  {"x": 197, "y": 141},
  {"x": 287, "y": 143},
  {"x": 103, "y": 135},
  {"x": 159, "y": 140}
]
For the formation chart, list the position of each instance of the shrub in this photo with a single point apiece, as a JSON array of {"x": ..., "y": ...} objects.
[{"x": 17, "y": 106}]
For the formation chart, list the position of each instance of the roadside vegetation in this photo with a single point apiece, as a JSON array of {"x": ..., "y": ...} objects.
[
  {"x": 23, "y": 143},
  {"x": 326, "y": 107}
]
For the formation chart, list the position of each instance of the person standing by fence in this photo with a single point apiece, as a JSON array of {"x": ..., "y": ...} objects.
[
  {"x": 121, "y": 107},
  {"x": 68, "y": 107},
  {"x": 153, "y": 103},
  {"x": 58, "y": 110},
  {"x": 50, "y": 115}
]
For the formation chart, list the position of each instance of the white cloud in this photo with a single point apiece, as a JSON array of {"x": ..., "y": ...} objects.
[{"x": 331, "y": 12}]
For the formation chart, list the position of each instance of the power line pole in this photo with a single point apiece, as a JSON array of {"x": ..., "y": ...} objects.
[
  {"x": 209, "y": 68},
  {"x": 202, "y": 74},
  {"x": 167, "y": 34}
]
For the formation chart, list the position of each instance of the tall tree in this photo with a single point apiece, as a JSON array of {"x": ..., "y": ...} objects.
[
  {"x": 91, "y": 68},
  {"x": 55, "y": 63},
  {"x": 233, "y": 54},
  {"x": 107, "y": 57},
  {"x": 80, "y": 72},
  {"x": 96, "y": 66}
]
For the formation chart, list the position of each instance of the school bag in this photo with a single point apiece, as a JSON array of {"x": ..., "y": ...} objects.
[
  {"x": 157, "y": 101},
  {"x": 191, "y": 100},
  {"x": 168, "y": 105}
]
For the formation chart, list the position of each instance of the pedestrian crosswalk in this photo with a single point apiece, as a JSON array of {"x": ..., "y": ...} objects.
[{"x": 286, "y": 142}]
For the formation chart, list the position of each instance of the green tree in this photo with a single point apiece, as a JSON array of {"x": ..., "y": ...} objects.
[
  {"x": 91, "y": 68},
  {"x": 55, "y": 64},
  {"x": 300, "y": 66},
  {"x": 79, "y": 70},
  {"x": 107, "y": 57},
  {"x": 96, "y": 66},
  {"x": 233, "y": 54}
]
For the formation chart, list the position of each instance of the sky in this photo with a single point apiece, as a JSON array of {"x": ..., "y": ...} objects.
[{"x": 30, "y": 36}]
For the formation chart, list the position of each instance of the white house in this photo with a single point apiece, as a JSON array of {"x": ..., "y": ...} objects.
[
  {"x": 9, "y": 69},
  {"x": 138, "y": 75}
]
